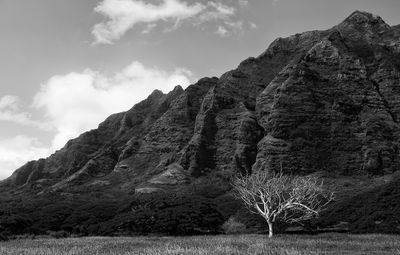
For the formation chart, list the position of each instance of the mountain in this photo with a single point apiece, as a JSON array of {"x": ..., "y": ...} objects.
[{"x": 323, "y": 102}]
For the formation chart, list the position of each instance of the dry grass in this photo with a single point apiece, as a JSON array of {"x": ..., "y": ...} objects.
[{"x": 209, "y": 245}]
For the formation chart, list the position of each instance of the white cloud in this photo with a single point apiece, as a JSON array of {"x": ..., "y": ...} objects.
[
  {"x": 77, "y": 102},
  {"x": 9, "y": 101},
  {"x": 238, "y": 25},
  {"x": 123, "y": 15},
  {"x": 222, "y": 9},
  {"x": 222, "y": 31},
  {"x": 229, "y": 28},
  {"x": 214, "y": 12},
  {"x": 9, "y": 111},
  {"x": 16, "y": 151}
]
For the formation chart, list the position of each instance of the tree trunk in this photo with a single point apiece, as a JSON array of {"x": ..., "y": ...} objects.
[{"x": 270, "y": 229}]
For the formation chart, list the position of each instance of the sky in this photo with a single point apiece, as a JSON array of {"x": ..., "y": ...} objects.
[{"x": 65, "y": 65}]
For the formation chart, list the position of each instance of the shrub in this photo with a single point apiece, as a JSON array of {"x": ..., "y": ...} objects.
[
  {"x": 228, "y": 205},
  {"x": 191, "y": 215},
  {"x": 233, "y": 226},
  {"x": 179, "y": 215},
  {"x": 59, "y": 234},
  {"x": 168, "y": 214},
  {"x": 86, "y": 218},
  {"x": 375, "y": 210},
  {"x": 3, "y": 237},
  {"x": 15, "y": 222}
]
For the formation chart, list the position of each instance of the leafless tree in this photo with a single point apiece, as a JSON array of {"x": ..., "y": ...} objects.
[{"x": 287, "y": 198}]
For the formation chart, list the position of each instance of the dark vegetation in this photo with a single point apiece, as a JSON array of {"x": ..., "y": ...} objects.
[
  {"x": 3, "y": 237},
  {"x": 201, "y": 209},
  {"x": 348, "y": 127},
  {"x": 190, "y": 211},
  {"x": 374, "y": 211}
]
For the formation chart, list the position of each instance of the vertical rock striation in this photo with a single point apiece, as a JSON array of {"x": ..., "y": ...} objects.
[
  {"x": 336, "y": 107},
  {"x": 320, "y": 100}
]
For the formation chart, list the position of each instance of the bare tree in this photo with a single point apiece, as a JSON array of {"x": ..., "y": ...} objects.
[{"x": 287, "y": 198}]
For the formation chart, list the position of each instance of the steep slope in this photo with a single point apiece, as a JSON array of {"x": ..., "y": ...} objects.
[
  {"x": 320, "y": 100},
  {"x": 337, "y": 107},
  {"x": 94, "y": 153}
]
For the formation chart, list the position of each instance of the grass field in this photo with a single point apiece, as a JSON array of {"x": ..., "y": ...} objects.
[{"x": 209, "y": 245}]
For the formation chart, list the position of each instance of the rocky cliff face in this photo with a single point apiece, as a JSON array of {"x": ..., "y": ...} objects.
[
  {"x": 337, "y": 107},
  {"x": 320, "y": 100}
]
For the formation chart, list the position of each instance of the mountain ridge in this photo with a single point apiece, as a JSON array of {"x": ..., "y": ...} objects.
[
  {"x": 324, "y": 103},
  {"x": 198, "y": 140}
]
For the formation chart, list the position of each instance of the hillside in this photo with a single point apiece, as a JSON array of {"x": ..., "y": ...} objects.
[{"x": 325, "y": 102}]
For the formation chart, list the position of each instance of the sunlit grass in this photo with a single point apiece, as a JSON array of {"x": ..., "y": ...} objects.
[{"x": 209, "y": 245}]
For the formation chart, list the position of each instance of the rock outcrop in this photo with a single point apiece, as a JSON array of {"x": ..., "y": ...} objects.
[
  {"x": 320, "y": 100},
  {"x": 337, "y": 107}
]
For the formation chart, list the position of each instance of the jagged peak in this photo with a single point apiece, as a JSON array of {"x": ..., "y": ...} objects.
[
  {"x": 358, "y": 20},
  {"x": 362, "y": 17},
  {"x": 299, "y": 40},
  {"x": 177, "y": 88},
  {"x": 156, "y": 93}
]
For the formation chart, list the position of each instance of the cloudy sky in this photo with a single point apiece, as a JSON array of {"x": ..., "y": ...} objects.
[{"x": 65, "y": 65}]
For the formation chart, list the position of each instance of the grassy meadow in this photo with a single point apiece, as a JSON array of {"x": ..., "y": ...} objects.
[{"x": 208, "y": 245}]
